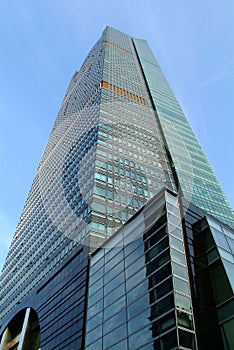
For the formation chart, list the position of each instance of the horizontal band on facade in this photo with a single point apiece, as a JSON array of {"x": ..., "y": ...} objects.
[
  {"x": 123, "y": 92},
  {"x": 117, "y": 47}
]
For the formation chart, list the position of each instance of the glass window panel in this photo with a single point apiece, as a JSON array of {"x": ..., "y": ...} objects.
[
  {"x": 153, "y": 231},
  {"x": 136, "y": 292},
  {"x": 174, "y": 220},
  {"x": 128, "y": 248},
  {"x": 115, "y": 294},
  {"x": 186, "y": 339},
  {"x": 95, "y": 297},
  {"x": 139, "y": 321},
  {"x": 179, "y": 270},
  {"x": 140, "y": 338},
  {"x": 115, "y": 336},
  {"x": 159, "y": 261},
  {"x": 177, "y": 256},
  {"x": 93, "y": 322},
  {"x": 135, "y": 279},
  {"x": 171, "y": 199},
  {"x": 159, "y": 291},
  {"x": 97, "y": 345},
  {"x": 114, "y": 283},
  {"x": 176, "y": 243},
  {"x": 162, "y": 306},
  {"x": 153, "y": 252},
  {"x": 225, "y": 311},
  {"x": 135, "y": 233},
  {"x": 139, "y": 263},
  {"x": 114, "y": 307},
  {"x": 159, "y": 275},
  {"x": 229, "y": 270},
  {"x": 95, "y": 308},
  {"x": 181, "y": 285},
  {"x": 174, "y": 210},
  {"x": 114, "y": 272},
  {"x": 226, "y": 255},
  {"x": 184, "y": 320},
  {"x": 214, "y": 224},
  {"x": 96, "y": 266},
  {"x": 138, "y": 306},
  {"x": 123, "y": 345},
  {"x": 97, "y": 275},
  {"x": 167, "y": 342},
  {"x": 113, "y": 261},
  {"x": 164, "y": 323},
  {"x": 97, "y": 285},
  {"x": 231, "y": 244},
  {"x": 220, "y": 239},
  {"x": 212, "y": 255},
  {"x": 114, "y": 321},
  {"x": 183, "y": 302},
  {"x": 228, "y": 330},
  {"x": 94, "y": 334},
  {"x": 139, "y": 252},
  {"x": 175, "y": 231}
]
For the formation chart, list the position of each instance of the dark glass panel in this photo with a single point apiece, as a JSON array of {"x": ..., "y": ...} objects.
[
  {"x": 164, "y": 323},
  {"x": 159, "y": 275},
  {"x": 186, "y": 339},
  {"x": 161, "y": 290},
  {"x": 167, "y": 342},
  {"x": 152, "y": 240},
  {"x": 162, "y": 306},
  {"x": 159, "y": 261},
  {"x": 184, "y": 320},
  {"x": 153, "y": 252}
]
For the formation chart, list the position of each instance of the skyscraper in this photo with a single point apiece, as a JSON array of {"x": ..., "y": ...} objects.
[{"x": 120, "y": 138}]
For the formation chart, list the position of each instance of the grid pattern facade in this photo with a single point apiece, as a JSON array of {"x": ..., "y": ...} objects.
[
  {"x": 113, "y": 146},
  {"x": 210, "y": 256},
  {"x": 104, "y": 159},
  {"x": 139, "y": 294},
  {"x": 195, "y": 176}
]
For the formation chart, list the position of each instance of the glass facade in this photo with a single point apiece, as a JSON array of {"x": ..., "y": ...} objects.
[
  {"x": 195, "y": 177},
  {"x": 104, "y": 159},
  {"x": 120, "y": 137},
  {"x": 215, "y": 263},
  {"x": 139, "y": 294}
]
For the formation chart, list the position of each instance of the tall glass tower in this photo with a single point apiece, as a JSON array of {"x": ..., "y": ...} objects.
[{"x": 119, "y": 138}]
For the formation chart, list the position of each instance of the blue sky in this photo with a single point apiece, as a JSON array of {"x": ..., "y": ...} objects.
[{"x": 44, "y": 42}]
